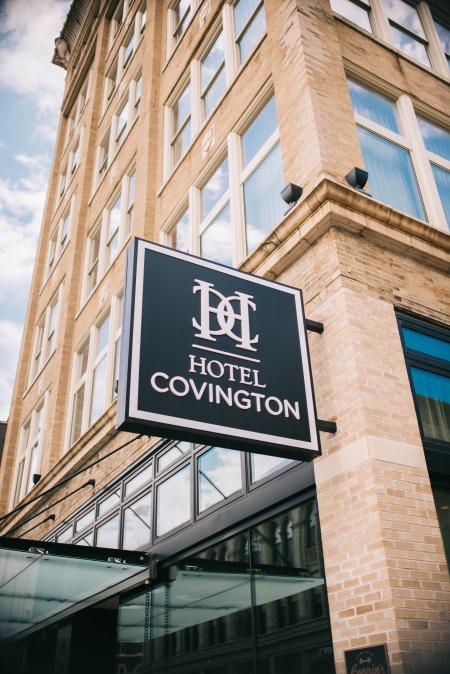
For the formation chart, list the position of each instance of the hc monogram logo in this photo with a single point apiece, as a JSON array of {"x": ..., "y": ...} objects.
[{"x": 226, "y": 315}]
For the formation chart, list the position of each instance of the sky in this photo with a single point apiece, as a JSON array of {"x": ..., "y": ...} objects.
[{"x": 31, "y": 90}]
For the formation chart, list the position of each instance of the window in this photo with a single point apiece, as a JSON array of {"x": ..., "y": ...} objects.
[
  {"x": 219, "y": 476},
  {"x": 102, "y": 157},
  {"x": 249, "y": 25},
  {"x": 179, "y": 235},
  {"x": 93, "y": 371},
  {"x": 74, "y": 160},
  {"x": 137, "y": 93},
  {"x": 358, "y": 12},
  {"x": 407, "y": 30},
  {"x": 386, "y": 152},
  {"x": 136, "y": 526},
  {"x": 437, "y": 145},
  {"x": 117, "y": 20},
  {"x": 180, "y": 15},
  {"x": 121, "y": 124},
  {"x": 254, "y": 157},
  {"x": 212, "y": 75},
  {"x": 62, "y": 181},
  {"x": 60, "y": 238},
  {"x": 30, "y": 450},
  {"x": 108, "y": 235},
  {"x": 78, "y": 107},
  {"x": 172, "y": 513},
  {"x": 116, "y": 345},
  {"x": 409, "y": 27},
  {"x": 263, "y": 466},
  {"x": 45, "y": 336},
  {"x": 110, "y": 83},
  {"x": 128, "y": 48},
  {"x": 180, "y": 134},
  {"x": 168, "y": 457},
  {"x": 427, "y": 354}
]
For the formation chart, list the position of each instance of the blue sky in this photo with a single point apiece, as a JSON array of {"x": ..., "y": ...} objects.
[{"x": 31, "y": 89}]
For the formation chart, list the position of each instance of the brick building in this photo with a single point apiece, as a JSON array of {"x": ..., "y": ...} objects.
[{"x": 181, "y": 122}]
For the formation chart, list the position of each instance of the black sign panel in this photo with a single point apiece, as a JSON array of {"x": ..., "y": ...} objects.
[
  {"x": 213, "y": 355},
  {"x": 368, "y": 660}
]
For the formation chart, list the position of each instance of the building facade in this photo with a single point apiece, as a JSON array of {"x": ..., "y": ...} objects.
[{"x": 181, "y": 123}]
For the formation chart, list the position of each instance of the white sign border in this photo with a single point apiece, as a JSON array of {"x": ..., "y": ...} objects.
[{"x": 136, "y": 413}]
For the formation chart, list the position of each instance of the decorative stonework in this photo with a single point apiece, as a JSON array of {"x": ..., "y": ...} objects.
[{"x": 61, "y": 56}]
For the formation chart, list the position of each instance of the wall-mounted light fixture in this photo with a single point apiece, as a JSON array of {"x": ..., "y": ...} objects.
[
  {"x": 357, "y": 178},
  {"x": 291, "y": 194}
]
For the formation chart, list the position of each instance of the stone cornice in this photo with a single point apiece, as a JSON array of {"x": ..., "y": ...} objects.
[
  {"x": 66, "y": 42},
  {"x": 333, "y": 204}
]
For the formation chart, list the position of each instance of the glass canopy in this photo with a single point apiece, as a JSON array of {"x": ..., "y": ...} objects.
[{"x": 40, "y": 580}]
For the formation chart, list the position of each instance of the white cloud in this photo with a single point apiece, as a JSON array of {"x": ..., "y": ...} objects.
[
  {"x": 10, "y": 336},
  {"x": 28, "y": 30}
]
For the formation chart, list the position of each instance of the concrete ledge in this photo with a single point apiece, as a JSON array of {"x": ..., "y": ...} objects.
[{"x": 366, "y": 448}]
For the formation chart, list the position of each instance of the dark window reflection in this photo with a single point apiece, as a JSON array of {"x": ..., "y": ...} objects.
[{"x": 254, "y": 603}]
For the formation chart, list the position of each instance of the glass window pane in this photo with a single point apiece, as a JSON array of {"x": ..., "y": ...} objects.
[
  {"x": 216, "y": 241},
  {"x": 262, "y": 465},
  {"x": 18, "y": 482},
  {"x": 181, "y": 144},
  {"x": 432, "y": 346},
  {"x": 214, "y": 92},
  {"x": 98, "y": 401},
  {"x": 442, "y": 501},
  {"x": 110, "y": 502},
  {"x": 243, "y": 9},
  {"x": 391, "y": 176},
  {"x": 64, "y": 536},
  {"x": 372, "y": 105},
  {"x": 259, "y": 131},
  {"x": 136, "y": 531},
  {"x": 263, "y": 204},
  {"x": 212, "y": 62},
  {"x": 252, "y": 34},
  {"x": 32, "y": 466},
  {"x": 180, "y": 235},
  {"x": 77, "y": 417},
  {"x": 108, "y": 533},
  {"x": 181, "y": 109},
  {"x": 433, "y": 399},
  {"x": 103, "y": 332},
  {"x": 442, "y": 178},
  {"x": 174, "y": 453},
  {"x": 87, "y": 540},
  {"x": 219, "y": 476},
  {"x": 410, "y": 46},
  {"x": 436, "y": 138},
  {"x": 444, "y": 37},
  {"x": 215, "y": 188},
  {"x": 352, "y": 12},
  {"x": 138, "y": 480},
  {"x": 171, "y": 512},
  {"x": 85, "y": 521},
  {"x": 404, "y": 14}
]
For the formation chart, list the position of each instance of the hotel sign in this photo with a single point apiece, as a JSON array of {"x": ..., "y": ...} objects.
[{"x": 215, "y": 356}]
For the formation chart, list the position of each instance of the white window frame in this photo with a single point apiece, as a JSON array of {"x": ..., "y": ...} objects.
[
  {"x": 78, "y": 107},
  {"x": 238, "y": 174},
  {"x": 232, "y": 66},
  {"x": 30, "y": 434},
  {"x": 173, "y": 24},
  {"x": 67, "y": 174},
  {"x": 411, "y": 140},
  {"x": 113, "y": 310},
  {"x": 381, "y": 26},
  {"x": 58, "y": 242},
  {"x": 102, "y": 223},
  {"x": 42, "y": 333}
]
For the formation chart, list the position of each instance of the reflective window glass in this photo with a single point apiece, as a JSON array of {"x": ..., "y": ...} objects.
[
  {"x": 212, "y": 75},
  {"x": 353, "y": 12},
  {"x": 136, "y": 524},
  {"x": 219, "y": 476},
  {"x": 442, "y": 178},
  {"x": 87, "y": 540},
  {"x": 108, "y": 533},
  {"x": 172, "y": 454},
  {"x": 64, "y": 536},
  {"x": 436, "y": 138},
  {"x": 263, "y": 204},
  {"x": 85, "y": 520},
  {"x": 404, "y": 15},
  {"x": 263, "y": 465},
  {"x": 410, "y": 46},
  {"x": 259, "y": 131},
  {"x": 216, "y": 241},
  {"x": 215, "y": 188},
  {"x": 173, "y": 501},
  {"x": 444, "y": 38},
  {"x": 373, "y": 105},
  {"x": 138, "y": 480},
  {"x": 433, "y": 399},
  {"x": 109, "y": 502},
  {"x": 391, "y": 175},
  {"x": 418, "y": 341},
  {"x": 249, "y": 25},
  {"x": 180, "y": 234},
  {"x": 442, "y": 501}
]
